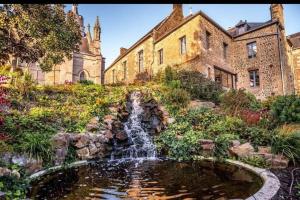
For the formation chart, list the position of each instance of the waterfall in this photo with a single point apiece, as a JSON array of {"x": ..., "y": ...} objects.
[{"x": 141, "y": 143}]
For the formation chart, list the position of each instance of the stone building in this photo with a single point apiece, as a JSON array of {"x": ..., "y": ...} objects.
[
  {"x": 294, "y": 58},
  {"x": 249, "y": 55},
  {"x": 87, "y": 64}
]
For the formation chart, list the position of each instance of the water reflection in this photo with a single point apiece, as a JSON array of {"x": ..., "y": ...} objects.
[{"x": 148, "y": 180}]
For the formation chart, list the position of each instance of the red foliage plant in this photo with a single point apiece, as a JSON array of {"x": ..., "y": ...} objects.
[{"x": 253, "y": 117}]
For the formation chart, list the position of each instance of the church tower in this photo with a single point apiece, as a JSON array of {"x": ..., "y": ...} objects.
[
  {"x": 277, "y": 13},
  {"x": 96, "y": 41}
]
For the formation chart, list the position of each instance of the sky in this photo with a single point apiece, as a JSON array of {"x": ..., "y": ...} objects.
[{"x": 123, "y": 24}]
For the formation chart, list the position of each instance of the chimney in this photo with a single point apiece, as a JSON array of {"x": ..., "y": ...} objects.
[
  {"x": 277, "y": 13},
  {"x": 177, "y": 7},
  {"x": 123, "y": 50}
]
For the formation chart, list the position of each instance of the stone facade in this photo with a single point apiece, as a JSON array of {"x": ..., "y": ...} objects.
[
  {"x": 197, "y": 42},
  {"x": 87, "y": 64},
  {"x": 294, "y": 58}
]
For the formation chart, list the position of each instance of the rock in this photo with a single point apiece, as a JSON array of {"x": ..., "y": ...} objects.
[
  {"x": 93, "y": 149},
  {"x": 244, "y": 150},
  {"x": 19, "y": 160},
  {"x": 108, "y": 135},
  {"x": 60, "y": 155},
  {"x": 201, "y": 104},
  {"x": 2, "y": 196},
  {"x": 235, "y": 143},
  {"x": 5, "y": 171},
  {"x": 16, "y": 174},
  {"x": 121, "y": 136},
  {"x": 93, "y": 125},
  {"x": 278, "y": 161},
  {"x": 60, "y": 140},
  {"x": 33, "y": 165},
  {"x": 83, "y": 141},
  {"x": 83, "y": 153},
  {"x": 264, "y": 150},
  {"x": 170, "y": 120},
  {"x": 207, "y": 144}
]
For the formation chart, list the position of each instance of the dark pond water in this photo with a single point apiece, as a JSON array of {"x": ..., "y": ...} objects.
[{"x": 148, "y": 179}]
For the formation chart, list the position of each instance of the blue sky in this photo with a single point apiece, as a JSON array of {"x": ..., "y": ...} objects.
[{"x": 123, "y": 24}]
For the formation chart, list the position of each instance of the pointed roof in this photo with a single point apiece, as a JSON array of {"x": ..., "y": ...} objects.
[{"x": 97, "y": 23}]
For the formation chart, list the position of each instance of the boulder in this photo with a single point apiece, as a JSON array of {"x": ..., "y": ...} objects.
[
  {"x": 121, "y": 136},
  {"x": 207, "y": 144},
  {"x": 235, "y": 143},
  {"x": 15, "y": 173},
  {"x": 244, "y": 150},
  {"x": 264, "y": 150},
  {"x": 83, "y": 153},
  {"x": 82, "y": 141},
  {"x": 60, "y": 155},
  {"x": 33, "y": 165},
  {"x": 108, "y": 134},
  {"x": 170, "y": 120},
  {"x": 5, "y": 171},
  {"x": 2, "y": 196},
  {"x": 93, "y": 125},
  {"x": 93, "y": 149},
  {"x": 19, "y": 160},
  {"x": 278, "y": 161},
  {"x": 60, "y": 140}
]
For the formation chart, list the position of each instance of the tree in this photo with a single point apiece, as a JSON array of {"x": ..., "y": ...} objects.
[{"x": 41, "y": 33}]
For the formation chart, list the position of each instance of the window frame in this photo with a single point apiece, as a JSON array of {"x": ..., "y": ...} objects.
[
  {"x": 255, "y": 76},
  {"x": 225, "y": 50},
  {"x": 182, "y": 44},
  {"x": 207, "y": 40},
  {"x": 250, "y": 50},
  {"x": 141, "y": 60},
  {"x": 220, "y": 75},
  {"x": 124, "y": 64},
  {"x": 161, "y": 56}
]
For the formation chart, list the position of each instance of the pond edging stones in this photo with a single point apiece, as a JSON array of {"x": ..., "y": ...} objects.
[{"x": 269, "y": 189}]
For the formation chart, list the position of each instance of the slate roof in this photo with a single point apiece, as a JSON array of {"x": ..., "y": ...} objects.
[
  {"x": 295, "y": 40},
  {"x": 250, "y": 26}
]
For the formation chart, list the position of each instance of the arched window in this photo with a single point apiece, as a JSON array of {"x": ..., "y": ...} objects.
[{"x": 82, "y": 76}]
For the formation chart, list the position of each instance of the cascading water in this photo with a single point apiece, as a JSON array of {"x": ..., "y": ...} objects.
[{"x": 141, "y": 144}]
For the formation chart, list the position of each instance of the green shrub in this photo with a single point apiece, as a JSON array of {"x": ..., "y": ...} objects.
[
  {"x": 257, "y": 136},
  {"x": 227, "y": 125},
  {"x": 170, "y": 74},
  {"x": 38, "y": 146},
  {"x": 203, "y": 117},
  {"x": 235, "y": 101},
  {"x": 286, "y": 109},
  {"x": 179, "y": 97},
  {"x": 288, "y": 145},
  {"x": 13, "y": 187},
  {"x": 199, "y": 86},
  {"x": 256, "y": 161},
  {"x": 222, "y": 143},
  {"x": 86, "y": 82}
]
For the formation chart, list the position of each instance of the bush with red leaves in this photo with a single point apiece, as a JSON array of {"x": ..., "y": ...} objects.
[{"x": 253, "y": 117}]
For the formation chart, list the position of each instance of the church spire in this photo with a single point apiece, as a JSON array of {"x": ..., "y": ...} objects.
[
  {"x": 88, "y": 34},
  {"x": 96, "y": 40},
  {"x": 75, "y": 9},
  {"x": 97, "y": 30}
]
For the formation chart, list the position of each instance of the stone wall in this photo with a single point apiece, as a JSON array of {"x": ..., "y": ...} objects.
[
  {"x": 296, "y": 66},
  {"x": 70, "y": 69},
  {"x": 132, "y": 63},
  {"x": 266, "y": 61}
]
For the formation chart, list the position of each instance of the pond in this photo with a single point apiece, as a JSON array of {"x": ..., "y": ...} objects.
[{"x": 148, "y": 179}]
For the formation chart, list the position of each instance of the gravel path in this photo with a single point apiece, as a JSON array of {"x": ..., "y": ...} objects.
[{"x": 285, "y": 177}]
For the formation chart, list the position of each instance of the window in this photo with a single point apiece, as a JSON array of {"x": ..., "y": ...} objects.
[
  {"x": 225, "y": 47},
  {"x": 160, "y": 56},
  {"x": 141, "y": 60},
  {"x": 224, "y": 78},
  {"x": 82, "y": 76},
  {"x": 207, "y": 39},
  {"x": 182, "y": 45},
  {"x": 125, "y": 70},
  {"x": 252, "y": 50},
  {"x": 113, "y": 75},
  {"x": 254, "y": 78}
]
